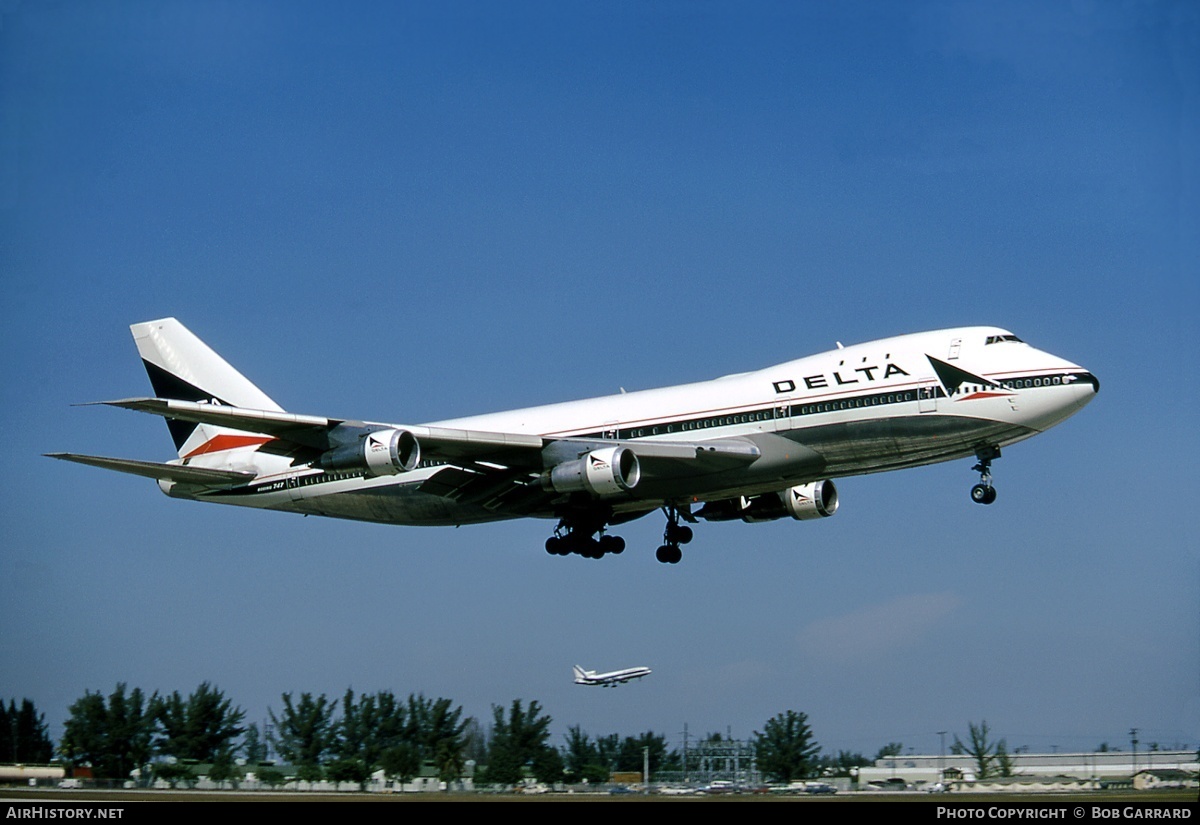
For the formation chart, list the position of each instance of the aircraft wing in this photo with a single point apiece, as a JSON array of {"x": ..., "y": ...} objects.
[
  {"x": 445, "y": 443},
  {"x": 499, "y": 471},
  {"x": 505, "y": 473},
  {"x": 307, "y": 430}
]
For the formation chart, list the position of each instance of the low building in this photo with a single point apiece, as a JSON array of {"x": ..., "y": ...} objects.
[
  {"x": 1166, "y": 778},
  {"x": 922, "y": 769}
]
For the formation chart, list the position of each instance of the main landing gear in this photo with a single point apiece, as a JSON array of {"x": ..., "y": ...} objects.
[
  {"x": 575, "y": 536},
  {"x": 582, "y": 532},
  {"x": 984, "y": 492},
  {"x": 674, "y": 535}
]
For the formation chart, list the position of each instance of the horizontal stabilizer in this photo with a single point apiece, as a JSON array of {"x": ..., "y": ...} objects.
[{"x": 163, "y": 472}]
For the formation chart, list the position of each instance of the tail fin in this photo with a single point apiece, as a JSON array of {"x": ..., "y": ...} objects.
[
  {"x": 580, "y": 674},
  {"x": 183, "y": 367}
]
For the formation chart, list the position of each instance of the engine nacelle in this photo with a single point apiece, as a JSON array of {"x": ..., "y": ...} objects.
[
  {"x": 802, "y": 502},
  {"x": 809, "y": 501},
  {"x": 379, "y": 453},
  {"x": 606, "y": 472}
]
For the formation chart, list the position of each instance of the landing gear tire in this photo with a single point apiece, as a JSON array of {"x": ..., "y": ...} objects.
[
  {"x": 591, "y": 549},
  {"x": 983, "y": 494},
  {"x": 674, "y": 535},
  {"x": 679, "y": 533},
  {"x": 612, "y": 544}
]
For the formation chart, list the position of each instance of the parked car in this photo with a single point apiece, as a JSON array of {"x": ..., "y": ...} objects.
[{"x": 819, "y": 788}]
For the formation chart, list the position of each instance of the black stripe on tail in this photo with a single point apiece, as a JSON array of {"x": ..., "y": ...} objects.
[{"x": 169, "y": 385}]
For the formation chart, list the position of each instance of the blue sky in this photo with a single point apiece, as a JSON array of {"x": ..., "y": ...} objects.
[{"x": 416, "y": 211}]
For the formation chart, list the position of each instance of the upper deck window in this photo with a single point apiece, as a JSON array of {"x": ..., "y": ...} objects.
[{"x": 999, "y": 339}]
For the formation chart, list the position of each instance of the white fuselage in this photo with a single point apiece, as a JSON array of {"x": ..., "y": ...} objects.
[{"x": 865, "y": 408}]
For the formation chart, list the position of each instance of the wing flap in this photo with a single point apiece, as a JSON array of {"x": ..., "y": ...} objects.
[
  {"x": 466, "y": 447},
  {"x": 497, "y": 490}
]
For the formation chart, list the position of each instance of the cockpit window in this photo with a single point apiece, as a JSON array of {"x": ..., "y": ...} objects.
[{"x": 1000, "y": 339}]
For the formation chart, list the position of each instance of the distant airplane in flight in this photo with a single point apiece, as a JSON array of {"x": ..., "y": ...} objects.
[
  {"x": 612, "y": 679},
  {"x": 755, "y": 446}
]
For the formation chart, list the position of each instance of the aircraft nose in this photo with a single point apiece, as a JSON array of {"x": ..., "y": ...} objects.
[{"x": 1094, "y": 381}]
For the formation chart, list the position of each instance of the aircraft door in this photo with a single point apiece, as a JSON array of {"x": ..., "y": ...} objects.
[
  {"x": 293, "y": 486},
  {"x": 783, "y": 415},
  {"x": 927, "y": 397}
]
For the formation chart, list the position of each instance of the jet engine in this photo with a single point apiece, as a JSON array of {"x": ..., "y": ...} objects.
[
  {"x": 818, "y": 499},
  {"x": 380, "y": 453},
  {"x": 606, "y": 472}
]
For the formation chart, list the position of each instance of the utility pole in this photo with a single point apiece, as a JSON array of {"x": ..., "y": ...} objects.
[
  {"x": 942, "y": 756},
  {"x": 268, "y": 739},
  {"x": 1133, "y": 732},
  {"x": 685, "y": 758}
]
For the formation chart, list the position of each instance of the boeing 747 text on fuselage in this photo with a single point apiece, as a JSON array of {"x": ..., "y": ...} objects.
[{"x": 756, "y": 446}]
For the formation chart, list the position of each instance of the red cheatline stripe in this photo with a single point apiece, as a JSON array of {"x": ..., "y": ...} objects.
[
  {"x": 975, "y": 395},
  {"x": 227, "y": 442}
]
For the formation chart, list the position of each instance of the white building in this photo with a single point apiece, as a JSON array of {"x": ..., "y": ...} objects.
[{"x": 914, "y": 769}]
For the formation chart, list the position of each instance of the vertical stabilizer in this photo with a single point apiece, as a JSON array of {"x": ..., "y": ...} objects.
[{"x": 183, "y": 367}]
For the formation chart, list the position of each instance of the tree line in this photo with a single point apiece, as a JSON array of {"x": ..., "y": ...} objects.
[
  {"x": 24, "y": 736},
  {"x": 354, "y": 737}
]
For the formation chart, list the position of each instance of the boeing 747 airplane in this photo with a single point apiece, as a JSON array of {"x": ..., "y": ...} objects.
[
  {"x": 756, "y": 446},
  {"x": 611, "y": 679}
]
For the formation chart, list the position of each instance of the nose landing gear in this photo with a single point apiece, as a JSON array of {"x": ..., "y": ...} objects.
[{"x": 984, "y": 492}]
